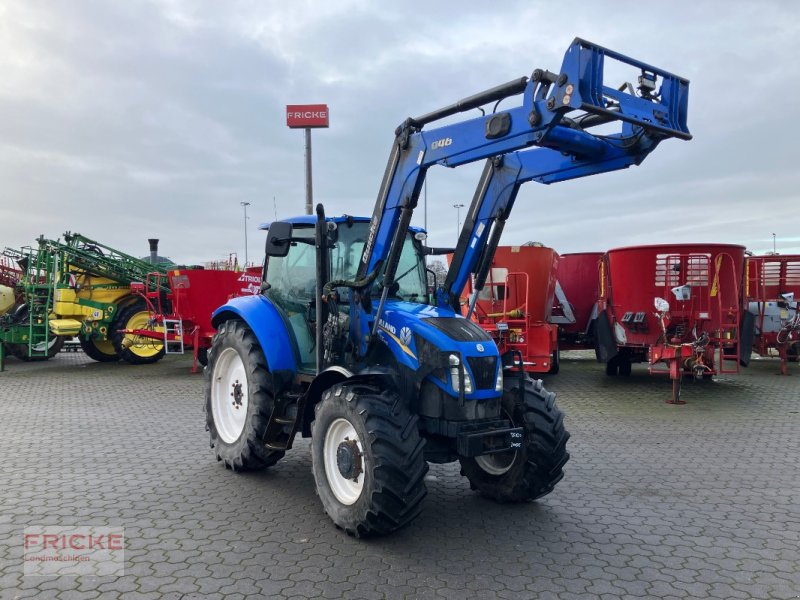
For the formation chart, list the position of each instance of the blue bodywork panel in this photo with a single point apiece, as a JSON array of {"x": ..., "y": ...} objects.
[
  {"x": 403, "y": 323},
  {"x": 268, "y": 325}
]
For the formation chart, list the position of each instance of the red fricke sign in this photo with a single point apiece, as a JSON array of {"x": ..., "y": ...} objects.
[{"x": 307, "y": 115}]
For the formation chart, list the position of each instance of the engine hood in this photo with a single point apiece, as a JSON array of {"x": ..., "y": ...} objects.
[{"x": 403, "y": 322}]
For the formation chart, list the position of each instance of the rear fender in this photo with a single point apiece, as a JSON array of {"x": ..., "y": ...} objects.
[{"x": 268, "y": 325}]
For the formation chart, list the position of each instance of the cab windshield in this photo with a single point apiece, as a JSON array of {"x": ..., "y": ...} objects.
[{"x": 410, "y": 278}]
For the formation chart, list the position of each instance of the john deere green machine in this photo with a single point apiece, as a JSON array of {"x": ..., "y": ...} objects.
[{"x": 78, "y": 287}]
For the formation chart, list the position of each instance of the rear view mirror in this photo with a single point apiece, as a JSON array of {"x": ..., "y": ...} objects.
[{"x": 279, "y": 236}]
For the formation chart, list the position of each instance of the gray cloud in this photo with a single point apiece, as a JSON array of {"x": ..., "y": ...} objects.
[{"x": 130, "y": 120}]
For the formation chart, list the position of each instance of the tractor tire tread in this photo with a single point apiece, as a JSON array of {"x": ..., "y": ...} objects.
[
  {"x": 398, "y": 467},
  {"x": 251, "y": 454},
  {"x": 545, "y": 449}
]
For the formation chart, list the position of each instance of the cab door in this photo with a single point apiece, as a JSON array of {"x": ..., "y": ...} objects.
[{"x": 292, "y": 280}]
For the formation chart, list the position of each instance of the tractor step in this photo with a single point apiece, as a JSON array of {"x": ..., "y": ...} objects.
[{"x": 284, "y": 422}]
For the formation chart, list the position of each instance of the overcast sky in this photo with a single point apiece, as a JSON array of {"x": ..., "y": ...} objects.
[{"x": 135, "y": 119}]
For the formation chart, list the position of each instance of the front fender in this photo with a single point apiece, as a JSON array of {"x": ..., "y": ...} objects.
[{"x": 267, "y": 323}]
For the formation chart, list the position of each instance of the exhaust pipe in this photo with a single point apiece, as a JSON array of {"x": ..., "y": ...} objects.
[{"x": 153, "y": 250}]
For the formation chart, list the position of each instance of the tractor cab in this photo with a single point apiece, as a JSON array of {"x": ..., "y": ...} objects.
[
  {"x": 290, "y": 272},
  {"x": 432, "y": 343}
]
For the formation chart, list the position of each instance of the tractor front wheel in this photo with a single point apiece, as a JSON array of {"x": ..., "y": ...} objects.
[
  {"x": 239, "y": 399},
  {"x": 367, "y": 458},
  {"x": 97, "y": 349},
  {"x": 533, "y": 471},
  {"x": 135, "y": 349}
]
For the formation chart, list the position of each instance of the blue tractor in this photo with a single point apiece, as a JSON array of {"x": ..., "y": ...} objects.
[{"x": 346, "y": 344}]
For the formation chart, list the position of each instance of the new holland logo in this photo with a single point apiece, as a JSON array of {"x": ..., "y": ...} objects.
[
  {"x": 405, "y": 335},
  {"x": 442, "y": 143}
]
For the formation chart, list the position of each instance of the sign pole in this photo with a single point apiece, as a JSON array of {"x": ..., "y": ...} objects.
[
  {"x": 307, "y": 116},
  {"x": 309, "y": 190}
]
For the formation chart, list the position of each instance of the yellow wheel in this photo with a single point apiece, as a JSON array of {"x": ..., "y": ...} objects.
[
  {"x": 136, "y": 349},
  {"x": 98, "y": 349}
]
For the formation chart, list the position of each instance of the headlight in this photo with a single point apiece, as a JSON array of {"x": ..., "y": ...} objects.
[
  {"x": 498, "y": 387},
  {"x": 455, "y": 362}
]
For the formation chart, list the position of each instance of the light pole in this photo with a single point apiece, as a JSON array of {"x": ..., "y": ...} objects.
[
  {"x": 458, "y": 208},
  {"x": 245, "y": 205},
  {"x": 774, "y": 247}
]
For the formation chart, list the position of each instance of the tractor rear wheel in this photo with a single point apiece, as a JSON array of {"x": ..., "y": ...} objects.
[
  {"x": 367, "y": 458},
  {"x": 239, "y": 399},
  {"x": 135, "y": 349},
  {"x": 97, "y": 349},
  {"x": 533, "y": 471}
]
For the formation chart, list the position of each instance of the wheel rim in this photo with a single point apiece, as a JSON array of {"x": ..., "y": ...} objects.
[
  {"x": 104, "y": 346},
  {"x": 40, "y": 347},
  {"x": 499, "y": 463},
  {"x": 341, "y": 446},
  {"x": 229, "y": 395},
  {"x": 141, "y": 346}
]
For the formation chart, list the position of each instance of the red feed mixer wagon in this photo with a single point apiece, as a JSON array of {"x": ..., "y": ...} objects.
[
  {"x": 577, "y": 276},
  {"x": 10, "y": 273},
  {"x": 180, "y": 320},
  {"x": 773, "y": 297},
  {"x": 679, "y": 306},
  {"x": 515, "y": 306}
]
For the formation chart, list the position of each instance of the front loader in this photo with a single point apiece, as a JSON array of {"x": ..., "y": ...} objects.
[{"x": 345, "y": 345}]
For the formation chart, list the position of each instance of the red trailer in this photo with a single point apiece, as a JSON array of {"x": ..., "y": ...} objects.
[
  {"x": 578, "y": 278},
  {"x": 181, "y": 319},
  {"x": 695, "y": 329},
  {"x": 516, "y": 303},
  {"x": 773, "y": 297}
]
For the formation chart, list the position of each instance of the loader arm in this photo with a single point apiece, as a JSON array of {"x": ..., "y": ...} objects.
[
  {"x": 497, "y": 190},
  {"x": 555, "y": 114}
]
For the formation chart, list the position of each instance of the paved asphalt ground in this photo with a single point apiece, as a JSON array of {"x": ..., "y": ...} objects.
[{"x": 658, "y": 501}]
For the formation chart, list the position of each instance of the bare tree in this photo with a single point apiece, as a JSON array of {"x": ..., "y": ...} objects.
[{"x": 439, "y": 268}]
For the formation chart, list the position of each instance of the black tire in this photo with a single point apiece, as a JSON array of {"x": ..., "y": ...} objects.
[
  {"x": 390, "y": 454},
  {"x": 612, "y": 366},
  {"x": 20, "y": 351},
  {"x": 247, "y": 452},
  {"x": 88, "y": 345},
  {"x": 133, "y": 354},
  {"x": 202, "y": 356},
  {"x": 792, "y": 352},
  {"x": 625, "y": 366},
  {"x": 539, "y": 466},
  {"x": 555, "y": 362}
]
